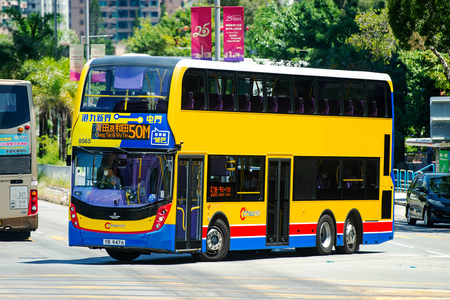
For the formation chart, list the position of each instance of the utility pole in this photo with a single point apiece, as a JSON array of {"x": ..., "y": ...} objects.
[
  {"x": 86, "y": 26},
  {"x": 55, "y": 12},
  {"x": 217, "y": 17}
]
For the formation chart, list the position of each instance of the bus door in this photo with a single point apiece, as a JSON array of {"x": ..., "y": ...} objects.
[
  {"x": 278, "y": 199},
  {"x": 189, "y": 203}
]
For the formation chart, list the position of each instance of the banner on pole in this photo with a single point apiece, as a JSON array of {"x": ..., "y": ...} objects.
[
  {"x": 233, "y": 33},
  {"x": 201, "y": 45},
  {"x": 98, "y": 51},
  {"x": 76, "y": 62}
]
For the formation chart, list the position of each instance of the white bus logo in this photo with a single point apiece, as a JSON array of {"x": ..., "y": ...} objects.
[{"x": 160, "y": 137}]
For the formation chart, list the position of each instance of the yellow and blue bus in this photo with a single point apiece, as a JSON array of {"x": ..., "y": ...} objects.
[
  {"x": 175, "y": 155},
  {"x": 18, "y": 160}
]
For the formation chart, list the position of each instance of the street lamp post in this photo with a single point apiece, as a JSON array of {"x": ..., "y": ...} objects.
[
  {"x": 86, "y": 21},
  {"x": 217, "y": 17}
]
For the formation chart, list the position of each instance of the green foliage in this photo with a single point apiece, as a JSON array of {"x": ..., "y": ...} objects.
[
  {"x": 429, "y": 19},
  {"x": 51, "y": 150},
  {"x": 54, "y": 95},
  {"x": 170, "y": 37},
  {"x": 375, "y": 35},
  {"x": 46, "y": 181},
  {"x": 289, "y": 32},
  {"x": 420, "y": 87},
  {"x": 32, "y": 35},
  {"x": 422, "y": 25}
]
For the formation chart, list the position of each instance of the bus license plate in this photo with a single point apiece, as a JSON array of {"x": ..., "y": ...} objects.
[{"x": 110, "y": 242}]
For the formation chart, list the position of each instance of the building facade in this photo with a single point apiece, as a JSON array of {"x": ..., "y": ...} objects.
[{"x": 119, "y": 16}]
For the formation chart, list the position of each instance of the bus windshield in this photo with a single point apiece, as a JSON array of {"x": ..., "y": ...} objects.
[
  {"x": 122, "y": 88},
  {"x": 14, "y": 107},
  {"x": 121, "y": 180}
]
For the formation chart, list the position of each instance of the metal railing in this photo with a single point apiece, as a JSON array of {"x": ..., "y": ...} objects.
[{"x": 403, "y": 178}]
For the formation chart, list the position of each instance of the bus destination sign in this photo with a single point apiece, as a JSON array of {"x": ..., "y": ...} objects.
[
  {"x": 116, "y": 131},
  {"x": 220, "y": 190}
]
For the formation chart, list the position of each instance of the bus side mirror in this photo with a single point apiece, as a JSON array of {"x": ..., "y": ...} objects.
[{"x": 69, "y": 160}]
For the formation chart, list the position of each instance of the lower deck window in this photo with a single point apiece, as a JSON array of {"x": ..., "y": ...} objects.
[
  {"x": 235, "y": 178},
  {"x": 328, "y": 178}
]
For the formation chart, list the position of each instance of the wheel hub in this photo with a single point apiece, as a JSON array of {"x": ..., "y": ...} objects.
[
  {"x": 325, "y": 235},
  {"x": 350, "y": 234},
  {"x": 214, "y": 239}
]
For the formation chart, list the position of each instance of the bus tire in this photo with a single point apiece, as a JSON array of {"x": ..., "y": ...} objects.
[
  {"x": 217, "y": 242},
  {"x": 351, "y": 242},
  {"x": 325, "y": 235},
  {"x": 121, "y": 255}
]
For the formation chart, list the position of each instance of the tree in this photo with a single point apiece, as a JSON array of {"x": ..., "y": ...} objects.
[
  {"x": 375, "y": 35},
  {"x": 170, "y": 37},
  {"x": 54, "y": 96},
  {"x": 32, "y": 35},
  {"x": 289, "y": 32},
  {"x": 422, "y": 25},
  {"x": 9, "y": 61},
  {"x": 97, "y": 27}
]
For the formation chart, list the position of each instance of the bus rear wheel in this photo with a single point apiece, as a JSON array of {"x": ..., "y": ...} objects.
[
  {"x": 217, "y": 242},
  {"x": 325, "y": 235},
  {"x": 351, "y": 243},
  {"x": 121, "y": 255}
]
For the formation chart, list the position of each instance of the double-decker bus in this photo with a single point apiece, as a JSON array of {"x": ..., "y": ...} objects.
[
  {"x": 177, "y": 155},
  {"x": 18, "y": 162}
]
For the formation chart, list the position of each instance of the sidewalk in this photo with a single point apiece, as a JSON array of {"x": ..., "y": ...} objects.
[{"x": 400, "y": 198}]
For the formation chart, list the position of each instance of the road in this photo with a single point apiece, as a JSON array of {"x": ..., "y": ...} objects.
[{"x": 416, "y": 264}]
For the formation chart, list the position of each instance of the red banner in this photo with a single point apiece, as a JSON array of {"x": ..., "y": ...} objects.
[
  {"x": 201, "y": 46},
  {"x": 233, "y": 33}
]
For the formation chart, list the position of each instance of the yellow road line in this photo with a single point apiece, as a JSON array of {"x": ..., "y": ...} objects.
[
  {"x": 402, "y": 236},
  {"x": 432, "y": 236}
]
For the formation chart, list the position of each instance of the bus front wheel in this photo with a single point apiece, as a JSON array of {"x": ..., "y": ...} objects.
[
  {"x": 217, "y": 242},
  {"x": 121, "y": 255},
  {"x": 325, "y": 235}
]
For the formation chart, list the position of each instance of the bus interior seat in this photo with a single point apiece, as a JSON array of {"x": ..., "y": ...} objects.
[
  {"x": 187, "y": 100},
  {"x": 272, "y": 105},
  {"x": 244, "y": 103},
  {"x": 228, "y": 102},
  {"x": 299, "y": 106},
  {"x": 106, "y": 102},
  {"x": 161, "y": 106},
  {"x": 284, "y": 105},
  {"x": 349, "y": 108},
  {"x": 335, "y": 108},
  {"x": 199, "y": 101},
  {"x": 257, "y": 103},
  {"x": 215, "y": 102},
  {"x": 324, "y": 108},
  {"x": 310, "y": 106},
  {"x": 358, "y": 108},
  {"x": 373, "y": 109}
]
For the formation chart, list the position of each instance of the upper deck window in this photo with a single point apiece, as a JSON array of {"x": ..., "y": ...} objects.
[
  {"x": 141, "y": 89},
  {"x": 14, "y": 107}
]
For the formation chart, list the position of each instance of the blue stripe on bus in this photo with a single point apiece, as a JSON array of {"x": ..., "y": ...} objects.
[
  {"x": 161, "y": 239},
  {"x": 377, "y": 237}
]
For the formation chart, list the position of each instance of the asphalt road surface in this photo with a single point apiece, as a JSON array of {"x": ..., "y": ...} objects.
[{"x": 416, "y": 264}]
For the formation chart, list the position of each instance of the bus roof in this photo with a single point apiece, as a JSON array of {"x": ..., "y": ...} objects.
[{"x": 143, "y": 59}]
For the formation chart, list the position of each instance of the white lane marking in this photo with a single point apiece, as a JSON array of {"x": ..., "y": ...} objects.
[
  {"x": 411, "y": 247},
  {"x": 436, "y": 254}
]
